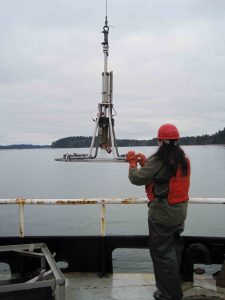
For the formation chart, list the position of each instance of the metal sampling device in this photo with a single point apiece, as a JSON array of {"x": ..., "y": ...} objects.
[{"x": 104, "y": 133}]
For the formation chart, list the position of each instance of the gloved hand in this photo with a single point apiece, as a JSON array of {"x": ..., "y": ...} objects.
[
  {"x": 132, "y": 159},
  {"x": 141, "y": 159}
]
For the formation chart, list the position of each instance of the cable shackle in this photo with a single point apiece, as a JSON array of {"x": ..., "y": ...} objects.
[{"x": 105, "y": 32}]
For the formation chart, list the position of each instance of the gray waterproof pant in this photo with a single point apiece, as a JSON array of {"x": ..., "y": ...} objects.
[{"x": 166, "y": 247}]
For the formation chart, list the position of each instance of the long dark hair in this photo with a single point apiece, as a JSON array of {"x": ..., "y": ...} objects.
[{"x": 173, "y": 156}]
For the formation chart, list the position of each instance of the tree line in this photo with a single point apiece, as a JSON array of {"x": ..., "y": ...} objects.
[
  {"x": 217, "y": 138},
  {"x": 24, "y": 146},
  {"x": 85, "y": 142}
]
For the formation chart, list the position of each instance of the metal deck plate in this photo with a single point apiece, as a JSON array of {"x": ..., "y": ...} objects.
[{"x": 120, "y": 286}]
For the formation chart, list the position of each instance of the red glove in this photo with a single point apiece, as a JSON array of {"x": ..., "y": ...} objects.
[
  {"x": 132, "y": 159},
  {"x": 141, "y": 159}
]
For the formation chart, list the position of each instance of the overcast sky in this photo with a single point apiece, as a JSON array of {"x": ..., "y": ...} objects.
[{"x": 168, "y": 59}]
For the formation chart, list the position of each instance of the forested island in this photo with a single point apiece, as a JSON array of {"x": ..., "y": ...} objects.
[{"x": 217, "y": 138}]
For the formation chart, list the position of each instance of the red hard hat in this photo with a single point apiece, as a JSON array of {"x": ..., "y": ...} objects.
[{"x": 168, "y": 132}]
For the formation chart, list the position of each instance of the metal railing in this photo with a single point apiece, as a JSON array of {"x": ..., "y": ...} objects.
[{"x": 90, "y": 201}]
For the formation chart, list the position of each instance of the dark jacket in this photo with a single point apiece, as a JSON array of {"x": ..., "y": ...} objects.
[{"x": 160, "y": 210}]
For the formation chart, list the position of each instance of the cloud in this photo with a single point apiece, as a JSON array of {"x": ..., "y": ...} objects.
[{"x": 167, "y": 59}]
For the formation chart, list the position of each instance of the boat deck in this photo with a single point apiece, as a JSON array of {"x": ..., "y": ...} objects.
[{"x": 134, "y": 286}]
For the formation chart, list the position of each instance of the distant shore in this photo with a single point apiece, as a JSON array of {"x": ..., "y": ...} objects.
[
  {"x": 217, "y": 138},
  {"x": 24, "y": 146}
]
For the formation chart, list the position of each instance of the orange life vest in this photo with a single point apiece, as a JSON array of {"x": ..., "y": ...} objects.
[{"x": 178, "y": 188}]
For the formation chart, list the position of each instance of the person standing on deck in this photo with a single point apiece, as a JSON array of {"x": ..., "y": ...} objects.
[{"x": 166, "y": 176}]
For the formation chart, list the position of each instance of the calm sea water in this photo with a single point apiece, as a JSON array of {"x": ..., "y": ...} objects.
[{"x": 35, "y": 174}]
